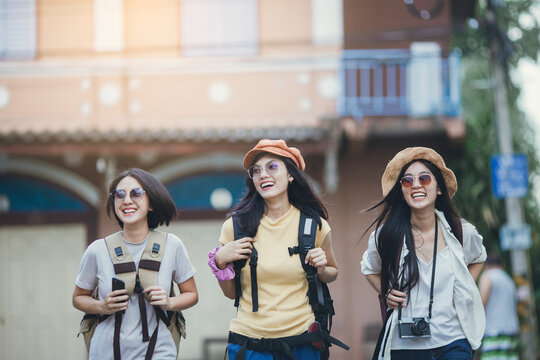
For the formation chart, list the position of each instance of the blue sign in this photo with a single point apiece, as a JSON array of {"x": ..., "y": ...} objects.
[
  {"x": 514, "y": 237},
  {"x": 509, "y": 175}
]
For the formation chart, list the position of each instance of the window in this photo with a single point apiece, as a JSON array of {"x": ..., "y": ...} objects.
[
  {"x": 209, "y": 191},
  {"x": 18, "y": 32},
  {"x": 108, "y": 25},
  {"x": 327, "y": 22},
  {"x": 425, "y": 79},
  {"x": 27, "y": 195},
  {"x": 218, "y": 27}
]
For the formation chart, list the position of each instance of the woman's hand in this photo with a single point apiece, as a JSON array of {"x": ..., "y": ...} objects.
[
  {"x": 317, "y": 257},
  {"x": 395, "y": 297},
  {"x": 235, "y": 250},
  {"x": 158, "y": 296},
  {"x": 114, "y": 302}
]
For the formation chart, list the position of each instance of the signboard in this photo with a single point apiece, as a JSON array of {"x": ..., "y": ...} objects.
[
  {"x": 514, "y": 237},
  {"x": 509, "y": 175}
]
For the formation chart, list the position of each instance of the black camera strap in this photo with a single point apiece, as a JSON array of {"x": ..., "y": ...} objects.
[{"x": 433, "y": 265}]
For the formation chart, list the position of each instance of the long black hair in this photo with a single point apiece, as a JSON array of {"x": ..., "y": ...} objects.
[
  {"x": 250, "y": 208},
  {"x": 396, "y": 217}
]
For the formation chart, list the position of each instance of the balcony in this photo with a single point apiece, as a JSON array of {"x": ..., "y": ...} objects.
[{"x": 415, "y": 83}]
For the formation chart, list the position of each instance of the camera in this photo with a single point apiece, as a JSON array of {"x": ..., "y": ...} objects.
[{"x": 414, "y": 327}]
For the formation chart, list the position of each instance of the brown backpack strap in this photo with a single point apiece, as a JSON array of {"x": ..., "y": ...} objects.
[
  {"x": 124, "y": 266},
  {"x": 151, "y": 258},
  {"x": 125, "y": 270},
  {"x": 148, "y": 272}
]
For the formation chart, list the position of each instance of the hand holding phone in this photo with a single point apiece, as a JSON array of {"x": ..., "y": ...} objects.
[{"x": 118, "y": 284}]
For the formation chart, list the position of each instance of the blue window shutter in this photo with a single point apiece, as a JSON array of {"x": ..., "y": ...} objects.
[{"x": 18, "y": 29}]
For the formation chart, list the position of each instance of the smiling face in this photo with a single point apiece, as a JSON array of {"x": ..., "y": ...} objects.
[
  {"x": 420, "y": 194},
  {"x": 270, "y": 177},
  {"x": 131, "y": 210}
]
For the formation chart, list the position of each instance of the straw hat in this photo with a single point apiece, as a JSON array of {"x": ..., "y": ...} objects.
[
  {"x": 405, "y": 156},
  {"x": 276, "y": 147}
]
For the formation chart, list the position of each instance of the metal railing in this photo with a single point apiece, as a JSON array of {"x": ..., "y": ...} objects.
[{"x": 399, "y": 82}]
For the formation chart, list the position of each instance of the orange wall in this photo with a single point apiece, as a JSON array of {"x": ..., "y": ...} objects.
[
  {"x": 178, "y": 100},
  {"x": 152, "y": 26},
  {"x": 284, "y": 25},
  {"x": 65, "y": 28}
]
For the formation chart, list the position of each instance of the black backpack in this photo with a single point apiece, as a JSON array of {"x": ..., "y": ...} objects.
[{"x": 319, "y": 296}]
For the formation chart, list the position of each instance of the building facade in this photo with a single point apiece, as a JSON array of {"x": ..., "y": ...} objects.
[{"x": 183, "y": 88}]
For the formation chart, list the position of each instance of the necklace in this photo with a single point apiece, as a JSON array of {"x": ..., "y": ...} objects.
[
  {"x": 423, "y": 255},
  {"x": 418, "y": 234}
]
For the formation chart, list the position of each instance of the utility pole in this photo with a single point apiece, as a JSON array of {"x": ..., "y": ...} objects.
[{"x": 521, "y": 269}]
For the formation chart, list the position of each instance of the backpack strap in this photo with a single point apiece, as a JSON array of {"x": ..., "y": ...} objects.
[
  {"x": 125, "y": 270},
  {"x": 240, "y": 233},
  {"x": 123, "y": 263},
  {"x": 151, "y": 259},
  {"x": 307, "y": 233},
  {"x": 318, "y": 293}
]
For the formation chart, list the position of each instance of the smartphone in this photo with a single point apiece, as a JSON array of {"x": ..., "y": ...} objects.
[{"x": 118, "y": 284}]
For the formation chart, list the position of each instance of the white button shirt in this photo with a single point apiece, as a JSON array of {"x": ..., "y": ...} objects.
[{"x": 467, "y": 301}]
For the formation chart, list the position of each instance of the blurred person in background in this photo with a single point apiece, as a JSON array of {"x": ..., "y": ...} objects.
[
  {"x": 423, "y": 259},
  {"x": 499, "y": 297}
]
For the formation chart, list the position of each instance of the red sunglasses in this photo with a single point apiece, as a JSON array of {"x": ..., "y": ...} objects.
[{"x": 408, "y": 181}]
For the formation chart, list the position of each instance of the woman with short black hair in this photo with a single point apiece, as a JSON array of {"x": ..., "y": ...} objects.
[
  {"x": 423, "y": 260},
  {"x": 162, "y": 205},
  {"x": 140, "y": 203}
]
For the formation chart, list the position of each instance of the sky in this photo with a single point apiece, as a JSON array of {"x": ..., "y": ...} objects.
[{"x": 529, "y": 78}]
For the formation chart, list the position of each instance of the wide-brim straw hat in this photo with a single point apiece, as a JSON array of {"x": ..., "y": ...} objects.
[
  {"x": 405, "y": 156},
  {"x": 276, "y": 147}
]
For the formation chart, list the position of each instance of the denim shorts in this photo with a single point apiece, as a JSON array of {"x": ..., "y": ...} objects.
[
  {"x": 456, "y": 350},
  {"x": 304, "y": 352}
]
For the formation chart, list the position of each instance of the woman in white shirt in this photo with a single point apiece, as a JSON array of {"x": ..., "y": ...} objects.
[{"x": 423, "y": 260}]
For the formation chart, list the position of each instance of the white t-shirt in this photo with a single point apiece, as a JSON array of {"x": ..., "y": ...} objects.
[
  {"x": 96, "y": 270},
  {"x": 501, "y": 317},
  {"x": 444, "y": 324}
]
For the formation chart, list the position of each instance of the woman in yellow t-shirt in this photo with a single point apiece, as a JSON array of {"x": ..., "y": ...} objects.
[{"x": 278, "y": 192}]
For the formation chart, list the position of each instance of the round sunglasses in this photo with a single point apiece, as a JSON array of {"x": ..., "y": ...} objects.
[
  {"x": 408, "y": 181},
  {"x": 135, "y": 194},
  {"x": 271, "y": 168}
]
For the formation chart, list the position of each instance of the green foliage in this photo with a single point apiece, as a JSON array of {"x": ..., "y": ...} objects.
[{"x": 475, "y": 199}]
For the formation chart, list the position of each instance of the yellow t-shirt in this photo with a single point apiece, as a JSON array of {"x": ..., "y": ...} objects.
[{"x": 284, "y": 308}]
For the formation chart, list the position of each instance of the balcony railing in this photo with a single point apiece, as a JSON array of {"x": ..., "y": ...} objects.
[{"x": 400, "y": 82}]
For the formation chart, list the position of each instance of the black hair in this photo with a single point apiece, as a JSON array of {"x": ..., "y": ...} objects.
[
  {"x": 396, "y": 216},
  {"x": 159, "y": 199},
  {"x": 250, "y": 208},
  {"x": 494, "y": 259}
]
